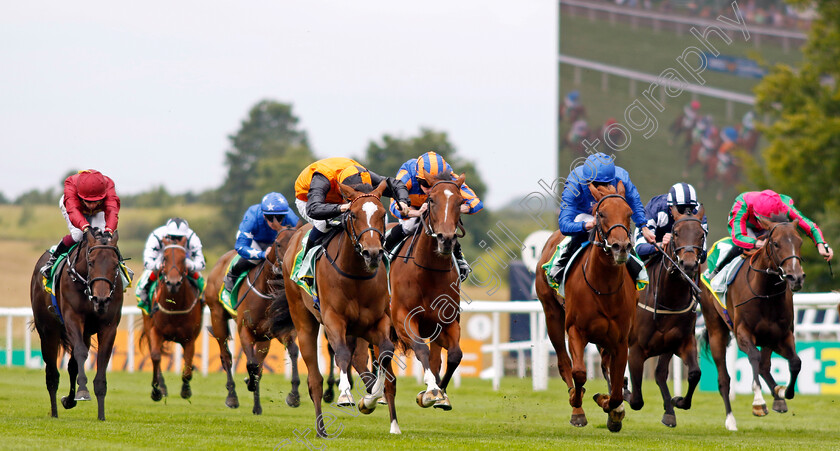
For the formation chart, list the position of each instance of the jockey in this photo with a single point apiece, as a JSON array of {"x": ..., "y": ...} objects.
[
  {"x": 412, "y": 174},
  {"x": 659, "y": 219},
  {"x": 748, "y": 122},
  {"x": 579, "y": 130},
  {"x": 575, "y": 218},
  {"x": 571, "y": 100},
  {"x": 89, "y": 200},
  {"x": 257, "y": 232},
  {"x": 746, "y": 230},
  {"x": 174, "y": 229},
  {"x": 690, "y": 113},
  {"x": 319, "y": 199}
]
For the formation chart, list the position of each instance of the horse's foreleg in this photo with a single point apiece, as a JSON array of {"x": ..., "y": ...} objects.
[
  {"x": 618, "y": 364},
  {"x": 747, "y": 344},
  {"x": 155, "y": 345},
  {"x": 385, "y": 376},
  {"x": 637, "y": 368},
  {"x": 80, "y": 346},
  {"x": 69, "y": 401},
  {"x": 577, "y": 344},
  {"x": 661, "y": 376},
  {"x": 293, "y": 398},
  {"x": 308, "y": 342},
  {"x": 336, "y": 329},
  {"x": 261, "y": 349},
  {"x": 225, "y": 356},
  {"x": 454, "y": 354},
  {"x": 688, "y": 354},
  {"x": 787, "y": 349},
  {"x": 186, "y": 374},
  {"x": 105, "y": 338}
]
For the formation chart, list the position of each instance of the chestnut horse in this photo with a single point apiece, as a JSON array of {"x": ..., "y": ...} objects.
[
  {"x": 760, "y": 305},
  {"x": 599, "y": 307},
  {"x": 262, "y": 315},
  {"x": 352, "y": 285},
  {"x": 667, "y": 314},
  {"x": 177, "y": 316},
  {"x": 424, "y": 304},
  {"x": 89, "y": 299}
]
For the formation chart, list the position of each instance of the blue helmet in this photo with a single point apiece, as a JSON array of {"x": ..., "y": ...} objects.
[
  {"x": 730, "y": 133},
  {"x": 598, "y": 168},
  {"x": 682, "y": 194},
  {"x": 574, "y": 95},
  {"x": 274, "y": 204}
]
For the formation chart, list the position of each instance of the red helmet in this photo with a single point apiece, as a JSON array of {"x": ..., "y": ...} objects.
[
  {"x": 91, "y": 185},
  {"x": 695, "y": 105}
]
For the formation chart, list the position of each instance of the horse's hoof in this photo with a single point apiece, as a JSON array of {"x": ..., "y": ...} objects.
[
  {"x": 382, "y": 401},
  {"x": 345, "y": 400},
  {"x": 186, "y": 392},
  {"x": 760, "y": 410},
  {"x": 163, "y": 390},
  {"x": 603, "y": 401},
  {"x": 232, "y": 402},
  {"x": 789, "y": 392},
  {"x": 578, "y": 420},
  {"x": 293, "y": 400},
  {"x": 431, "y": 397},
  {"x": 257, "y": 410},
  {"x": 249, "y": 384},
  {"x": 363, "y": 405},
  {"x": 329, "y": 396},
  {"x": 67, "y": 402},
  {"x": 83, "y": 395},
  {"x": 614, "y": 419},
  {"x": 780, "y": 406},
  {"x": 680, "y": 403},
  {"x": 443, "y": 404},
  {"x": 669, "y": 420},
  {"x": 420, "y": 399},
  {"x": 157, "y": 395}
]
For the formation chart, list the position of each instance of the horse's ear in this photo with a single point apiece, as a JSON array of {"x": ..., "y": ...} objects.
[
  {"x": 347, "y": 191},
  {"x": 701, "y": 212},
  {"x": 115, "y": 236},
  {"x": 795, "y": 223},
  {"x": 383, "y": 185},
  {"x": 430, "y": 179},
  {"x": 461, "y": 179},
  {"x": 675, "y": 213},
  {"x": 597, "y": 195},
  {"x": 619, "y": 188}
]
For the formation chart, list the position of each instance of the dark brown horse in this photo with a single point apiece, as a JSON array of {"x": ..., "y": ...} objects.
[
  {"x": 262, "y": 314},
  {"x": 176, "y": 315},
  {"x": 760, "y": 305},
  {"x": 599, "y": 307},
  {"x": 424, "y": 304},
  {"x": 574, "y": 113},
  {"x": 352, "y": 285},
  {"x": 89, "y": 295},
  {"x": 667, "y": 314}
]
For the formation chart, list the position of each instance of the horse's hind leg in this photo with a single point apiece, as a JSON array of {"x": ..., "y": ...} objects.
[
  {"x": 452, "y": 337},
  {"x": 261, "y": 349},
  {"x": 577, "y": 344},
  {"x": 293, "y": 398},
  {"x": 637, "y": 368},
  {"x": 661, "y": 375},
  {"x": 155, "y": 344},
  {"x": 105, "y": 338},
  {"x": 49, "y": 349},
  {"x": 329, "y": 393},
  {"x": 186, "y": 374}
]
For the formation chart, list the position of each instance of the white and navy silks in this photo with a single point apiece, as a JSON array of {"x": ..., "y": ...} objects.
[
  {"x": 659, "y": 219},
  {"x": 255, "y": 236},
  {"x": 153, "y": 253}
]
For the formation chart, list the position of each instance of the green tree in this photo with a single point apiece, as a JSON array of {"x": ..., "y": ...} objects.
[{"x": 803, "y": 156}]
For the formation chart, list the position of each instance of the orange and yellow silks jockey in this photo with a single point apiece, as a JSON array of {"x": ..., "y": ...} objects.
[{"x": 413, "y": 174}]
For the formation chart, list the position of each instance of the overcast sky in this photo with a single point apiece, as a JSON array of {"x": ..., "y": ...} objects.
[{"x": 148, "y": 92}]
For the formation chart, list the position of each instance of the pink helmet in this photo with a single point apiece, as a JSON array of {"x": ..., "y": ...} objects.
[
  {"x": 91, "y": 185},
  {"x": 768, "y": 203},
  {"x": 695, "y": 105}
]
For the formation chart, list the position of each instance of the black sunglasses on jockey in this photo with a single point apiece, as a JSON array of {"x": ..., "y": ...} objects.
[
  {"x": 278, "y": 218},
  {"x": 173, "y": 237}
]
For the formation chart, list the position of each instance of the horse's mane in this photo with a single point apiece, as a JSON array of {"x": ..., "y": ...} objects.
[
  {"x": 604, "y": 190},
  {"x": 444, "y": 176},
  {"x": 364, "y": 188}
]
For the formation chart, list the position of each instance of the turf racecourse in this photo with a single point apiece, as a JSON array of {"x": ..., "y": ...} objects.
[{"x": 515, "y": 418}]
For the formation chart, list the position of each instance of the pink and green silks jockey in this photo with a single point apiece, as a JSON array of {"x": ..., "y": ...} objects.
[{"x": 744, "y": 226}]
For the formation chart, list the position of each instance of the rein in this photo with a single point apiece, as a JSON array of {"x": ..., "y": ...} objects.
[
  {"x": 276, "y": 269},
  {"x": 600, "y": 234},
  {"x": 778, "y": 271},
  {"x": 350, "y": 229},
  {"x": 184, "y": 276},
  {"x": 76, "y": 277}
]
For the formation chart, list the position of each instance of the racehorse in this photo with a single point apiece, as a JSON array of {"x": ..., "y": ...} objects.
[
  {"x": 748, "y": 140},
  {"x": 681, "y": 126},
  {"x": 759, "y": 303},
  {"x": 424, "y": 304},
  {"x": 88, "y": 301},
  {"x": 352, "y": 286},
  {"x": 574, "y": 113},
  {"x": 667, "y": 313},
  {"x": 599, "y": 306},
  {"x": 175, "y": 315},
  {"x": 262, "y": 314}
]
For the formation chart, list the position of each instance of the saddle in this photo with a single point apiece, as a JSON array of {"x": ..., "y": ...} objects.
[
  {"x": 303, "y": 269},
  {"x": 719, "y": 284},
  {"x": 552, "y": 262},
  {"x": 227, "y": 298}
]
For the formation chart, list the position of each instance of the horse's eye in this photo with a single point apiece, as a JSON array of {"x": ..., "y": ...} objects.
[{"x": 776, "y": 244}]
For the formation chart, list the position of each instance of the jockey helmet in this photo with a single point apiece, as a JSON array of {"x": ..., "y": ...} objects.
[
  {"x": 430, "y": 164},
  {"x": 354, "y": 175},
  {"x": 91, "y": 185},
  {"x": 768, "y": 203},
  {"x": 598, "y": 168},
  {"x": 682, "y": 194},
  {"x": 695, "y": 105},
  {"x": 177, "y": 227},
  {"x": 729, "y": 133},
  {"x": 573, "y": 95},
  {"x": 274, "y": 204},
  {"x": 610, "y": 121}
]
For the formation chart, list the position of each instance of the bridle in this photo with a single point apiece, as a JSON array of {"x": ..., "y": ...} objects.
[
  {"x": 673, "y": 249},
  {"x": 88, "y": 284},
  {"x": 182, "y": 273},
  {"x": 778, "y": 271},
  {"x": 426, "y": 219},
  {"x": 350, "y": 227},
  {"x": 600, "y": 234}
]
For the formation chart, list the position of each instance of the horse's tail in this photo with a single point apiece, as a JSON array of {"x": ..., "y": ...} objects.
[
  {"x": 143, "y": 339},
  {"x": 63, "y": 340},
  {"x": 703, "y": 341},
  {"x": 399, "y": 344},
  {"x": 281, "y": 319}
]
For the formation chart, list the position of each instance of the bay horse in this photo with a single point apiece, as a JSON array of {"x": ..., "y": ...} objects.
[
  {"x": 667, "y": 314},
  {"x": 352, "y": 285},
  {"x": 574, "y": 113},
  {"x": 89, "y": 299},
  {"x": 176, "y": 315},
  {"x": 262, "y": 314},
  {"x": 760, "y": 305},
  {"x": 599, "y": 306},
  {"x": 424, "y": 304}
]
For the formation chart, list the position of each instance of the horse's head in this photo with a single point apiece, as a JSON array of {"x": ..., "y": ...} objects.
[
  {"x": 444, "y": 210},
  {"x": 612, "y": 221},
  {"x": 365, "y": 222},
  {"x": 687, "y": 239},
  {"x": 173, "y": 269},
  {"x": 782, "y": 249},
  {"x": 281, "y": 243},
  {"x": 101, "y": 267}
]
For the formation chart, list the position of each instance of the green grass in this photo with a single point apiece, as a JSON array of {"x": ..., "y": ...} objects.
[{"x": 513, "y": 418}]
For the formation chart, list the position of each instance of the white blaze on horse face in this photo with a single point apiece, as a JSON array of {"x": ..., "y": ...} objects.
[
  {"x": 446, "y": 212},
  {"x": 370, "y": 209},
  {"x": 429, "y": 379}
]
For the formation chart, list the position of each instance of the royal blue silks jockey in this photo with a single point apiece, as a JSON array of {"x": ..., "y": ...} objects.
[
  {"x": 576, "y": 219},
  {"x": 659, "y": 219},
  {"x": 257, "y": 232}
]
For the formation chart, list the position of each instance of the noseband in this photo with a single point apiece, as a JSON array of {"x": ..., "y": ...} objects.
[
  {"x": 769, "y": 249},
  {"x": 89, "y": 283},
  {"x": 350, "y": 227},
  {"x": 674, "y": 250},
  {"x": 599, "y": 231},
  {"x": 186, "y": 253},
  {"x": 427, "y": 220}
]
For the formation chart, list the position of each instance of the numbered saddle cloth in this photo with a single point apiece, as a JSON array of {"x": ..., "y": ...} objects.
[
  {"x": 228, "y": 299},
  {"x": 725, "y": 276}
]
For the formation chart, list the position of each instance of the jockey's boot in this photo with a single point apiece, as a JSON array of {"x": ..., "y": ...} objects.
[
  {"x": 464, "y": 269},
  {"x": 143, "y": 297},
  {"x": 725, "y": 260},
  {"x": 566, "y": 253},
  {"x": 60, "y": 249},
  {"x": 236, "y": 270},
  {"x": 392, "y": 239},
  {"x": 634, "y": 267},
  {"x": 314, "y": 238}
]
